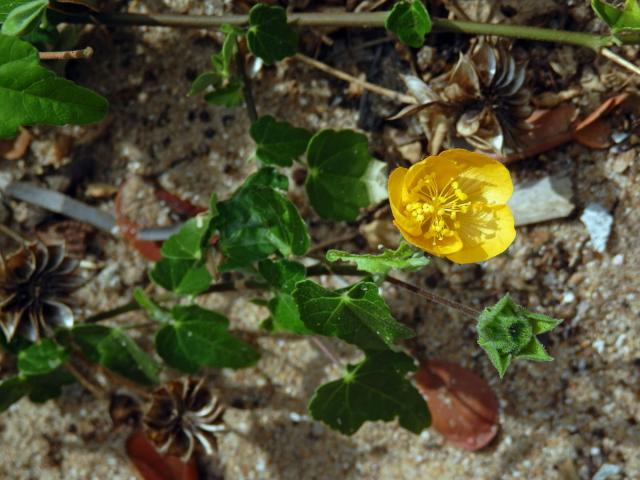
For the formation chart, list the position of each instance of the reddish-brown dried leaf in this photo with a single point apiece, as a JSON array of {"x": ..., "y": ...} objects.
[
  {"x": 596, "y": 135},
  {"x": 463, "y": 407},
  {"x": 153, "y": 466},
  {"x": 129, "y": 230},
  {"x": 177, "y": 204}
]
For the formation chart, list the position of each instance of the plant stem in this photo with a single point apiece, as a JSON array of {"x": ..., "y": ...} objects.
[
  {"x": 246, "y": 85},
  {"x": 435, "y": 298},
  {"x": 326, "y": 350},
  {"x": 353, "y": 19},
  {"x": 83, "y": 54},
  {"x": 96, "y": 391}
]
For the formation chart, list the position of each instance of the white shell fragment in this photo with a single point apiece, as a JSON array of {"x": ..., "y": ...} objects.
[
  {"x": 598, "y": 221},
  {"x": 541, "y": 200}
]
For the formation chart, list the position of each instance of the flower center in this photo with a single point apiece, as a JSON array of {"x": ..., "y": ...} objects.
[{"x": 436, "y": 209}]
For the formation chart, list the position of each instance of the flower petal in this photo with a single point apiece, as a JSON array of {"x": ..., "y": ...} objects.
[
  {"x": 485, "y": 236},
  {"x": 441, "y": 248},
  {"x": 481, "y": 176}
]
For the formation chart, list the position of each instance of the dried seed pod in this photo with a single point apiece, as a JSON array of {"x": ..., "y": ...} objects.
[
  {"x": 182, "y": 416},
  {"x": 483, "y": 99},
  {"x": 35, "y": 286},
  {"x": 124, "y": 409}
]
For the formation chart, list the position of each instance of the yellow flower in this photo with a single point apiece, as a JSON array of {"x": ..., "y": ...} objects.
[{"x": 453, "y": 205}]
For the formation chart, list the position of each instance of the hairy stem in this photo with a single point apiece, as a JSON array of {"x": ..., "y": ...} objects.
[
  {"x": 83, "y": 54},
  {"x": 435, "y": 298},
  {"x": 354, "y": 19},
  {"x": 246, "y": 85}
]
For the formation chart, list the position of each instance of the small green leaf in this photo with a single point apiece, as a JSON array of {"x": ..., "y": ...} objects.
[
  {"x": 32, "y": 94},
  {"x": 25, "y": 18},
  {"x": 48, "y": 386},
  {"x": 189, "y": 241},
  {"x": 343, "y": 177},
  {"x": 155, "y": 311},
  {"x": 374, "y": 389},
  {"x": 228, "y": 96},
  {"x": 282, "y": 274},
  {"x": 267, "y": 177},
  {"x": 184, "y": 277},
  {"x": 204, "y": 81},
  {"x": 278, "y": 143},
  {"x": 269, "y": 36},
  {"x": 285, "y": 316},
  {"x": 357, "y": 314},
  {"x": 11, "y": 390},
  {"x": 41, "y": 358},
  {"x": 621, "y": 21},
  {"x": 222, "y": 61},
  {"x": 257, "y": 222},
  {"x": 113, "y": 349},
  {"x": 405, "y": 257},
  {"x": 7, "y": 5},
  {"x": 410, "y": 21},
  {"x": 508, "y": 331},
  {"x": 198, "y": 337}
]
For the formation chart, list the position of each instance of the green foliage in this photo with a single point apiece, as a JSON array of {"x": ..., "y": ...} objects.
[
  {"x": 256, "y": 222},
  {"x": 200, "y": 338},
  {"x": 7, "y": 5},
  {"x": 184, "y": 277},
  {"x": 190, "y": 242},
  {"x": 41, "y": 358},
  {"x": 155, "y": 311},
  {"x": 357, "y": 315},
  {"x": 374, "y": 389},
  {"x": 405, "y": 257},
  {"x": 11, "y": 390},
  {"x": 508, "y": 331},
  {"x": 48, "y": 386},
  {"x": 113, "y": 349},
  {"x": 225, "y": 88},
  {"x": 410, "y": 21},
  {"x": 622, "y": 21},
  {"x": 343, "y": 177},
  {"x": 32, "y": 94},
  {"x": 282, "y": 274},
  {"x": 25, "y": 17},
  {"x": 278, "y": 143},
  {"x": 269, "y": 36}
]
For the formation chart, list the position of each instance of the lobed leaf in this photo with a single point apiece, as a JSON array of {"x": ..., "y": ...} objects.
[
  {"x": 278, "y": 143},
  {"x": 184, "y": 277},
  {"x": 374, "y": 389},
  {"x": 256, "y": 222},
  {"x": 113, "y": 349},
  {"x": 269, "y": 36},
  {"x": 198, "y": 337},
  {"x": 405, "y": 257},
  {"x": 410, "y": 21},
  {"x": 41, "y": 358},
  {"x": 32, "y": 94},
  {"x": 343, "y": 177},
  {"x": 25, "y": 17},
  {"x": 620, "y": 20},
  {"x": 357, "y": 315}
]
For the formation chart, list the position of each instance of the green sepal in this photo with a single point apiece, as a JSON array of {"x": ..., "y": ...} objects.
[{"x": 508, "y": 331}]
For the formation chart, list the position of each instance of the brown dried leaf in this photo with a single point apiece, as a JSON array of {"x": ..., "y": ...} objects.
[
  {"x": 16, "y": 148},
  {"x": 463, "y": 407},
  {"x": 153, "y": 466}
]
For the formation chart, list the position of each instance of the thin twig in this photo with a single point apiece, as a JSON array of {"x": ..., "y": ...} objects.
[
  {"x": 333, "y": 241},
  {"x": 246, "y": 85},
  {"x": 372, "y": 87},
  {"x": 623, "y": 62},
  {"x": 435, "y": 298},
  {"x": 325, "y": 349},
  {"x": 95, "y": 390},
  {"x": 83, "y": 54}
]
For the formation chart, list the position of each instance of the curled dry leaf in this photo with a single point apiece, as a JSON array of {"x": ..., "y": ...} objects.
[
  {"x": 16, "y": 148},
  {"x": 555, "y": 127},
  {"x": 153, "y": 466},
  {"x": 463, "y": 407}
]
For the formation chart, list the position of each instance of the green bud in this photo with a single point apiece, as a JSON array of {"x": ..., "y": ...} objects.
[{"x": 507, "y": 331}]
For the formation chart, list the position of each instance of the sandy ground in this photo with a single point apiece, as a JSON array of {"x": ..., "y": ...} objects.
[{"x": 560, "y": 420}]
